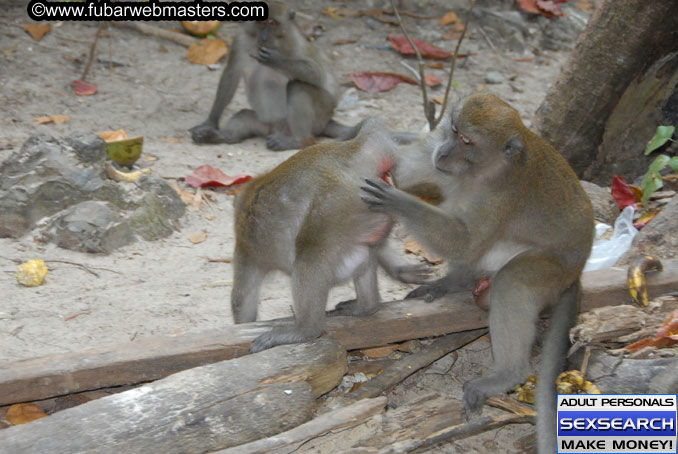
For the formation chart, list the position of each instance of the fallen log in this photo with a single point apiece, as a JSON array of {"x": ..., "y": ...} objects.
[
  {"x": 342, "y": 418},
  {"x": 195, "y": 411},
  {"x": 156, "y": 357}
]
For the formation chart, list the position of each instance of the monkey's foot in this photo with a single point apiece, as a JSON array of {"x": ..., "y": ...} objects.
[
  {"x": 474, "y": 397},
  {"x": 428, "y": 292},
  {"x": 281, "y": 142},
  {"x": 282, "y": 336},
  {"x": 352, "y": 308},
  {"x": 206, "y": 133}
]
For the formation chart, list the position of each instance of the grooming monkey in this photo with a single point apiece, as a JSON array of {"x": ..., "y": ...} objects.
[
  {"x": 513, "y": 210},
  {"x": 305, "y": 218},
  {"x": 290, "y": 86}
]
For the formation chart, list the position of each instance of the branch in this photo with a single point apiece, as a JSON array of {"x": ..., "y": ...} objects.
[
  {"x": 92, "y": 48},
  {"x": 454, "y": 65},
  {"x": 429, "y": 107}
]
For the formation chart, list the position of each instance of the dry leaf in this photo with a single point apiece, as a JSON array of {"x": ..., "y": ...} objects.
[
  {"x": 84, "y": 89},
  {"x": 113, "y": 136},
  {"x": 427, "y": 50},
  {"x": 206, "y": 175},
  {"x": 586, "y": 6},
  {"x": 57, "y": 119},
  {"x": 170, "y": 139},
  {"x": 37, "y": 31},
  {"x": 379, "y": 352},
  {"x": 438, "y": 100},
  {"x": 207, "y": 51},
  {"x": 197, "y": 238},
  {"x": 24, "y": 413},
  {"x": 434, "y": 64},
  {"x": 201, "y": 28},
  {"x": 454, "y": 33},
  {"x": 413, "y": 247},
  {"x": 195, "y": 200},
  {"x": 375, "y": 81},
  {"x": 449, "y": 18}
]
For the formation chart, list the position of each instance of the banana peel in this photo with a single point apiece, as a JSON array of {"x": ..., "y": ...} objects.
[
  {"x": 125, "y": 177},
  {"x": 636, "y": 277}
]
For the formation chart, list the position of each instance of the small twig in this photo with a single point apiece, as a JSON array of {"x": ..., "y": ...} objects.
[
  {"x": 429, "y": 107},
  {"x": 585, "y": 361},
  {"x": 92, "y": 48},
  {"x": 211, "y": 260},
  {"x": 94, "y": 273},
  {"x": 487, "y": 38},
  {"x": 454, "y": 64},
  {"x": 412, "y": 70},
  {"x": 158, "y": 32}
]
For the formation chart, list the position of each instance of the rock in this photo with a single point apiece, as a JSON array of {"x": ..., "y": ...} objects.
[
  {"x": 90, "y": 227},
  {"x": 605, "y": 207},
  {"x": 659, "y": 237},
  {"x": 561, "y": 33},
  {"x": 494, "y": 77},
  {"x": 505, "y": 29},
  {"x": 44, "y": 184}
]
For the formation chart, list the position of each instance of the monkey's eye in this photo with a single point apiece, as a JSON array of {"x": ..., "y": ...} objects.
[{"x": 465, "y": 139}]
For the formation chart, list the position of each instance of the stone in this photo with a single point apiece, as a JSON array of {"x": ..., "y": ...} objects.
[
  {"x": 659, "y": 237},
  {"x": 605, "y": 208},
  {"x": 46, "y": 183}
]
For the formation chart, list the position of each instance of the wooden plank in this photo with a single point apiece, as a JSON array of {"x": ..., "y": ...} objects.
[
  {"x": 156, "y": 357},
  {"x": 198, "y": 410}
]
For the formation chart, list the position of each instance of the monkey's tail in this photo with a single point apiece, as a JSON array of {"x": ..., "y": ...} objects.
[
  {"x": 554, "y": 351},
  {"x": 341, "y": 132}
]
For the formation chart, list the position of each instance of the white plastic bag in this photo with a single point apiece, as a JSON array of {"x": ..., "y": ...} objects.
[{"x": 605, "y": 253}]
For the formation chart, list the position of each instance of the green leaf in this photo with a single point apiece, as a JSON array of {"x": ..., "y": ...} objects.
[
  {"x": 653, "y": 180},
  {"x": 673, "y": 162},
  {"x": 662, "y": 136}
]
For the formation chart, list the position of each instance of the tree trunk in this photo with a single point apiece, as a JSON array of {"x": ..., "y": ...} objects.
[{"x": 623, "y": 40}]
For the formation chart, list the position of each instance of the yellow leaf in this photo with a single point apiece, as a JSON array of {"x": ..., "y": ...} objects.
[
  {"x": 47, "y": 119},
  {"x": 207, "y": 51},
  {"x": 197, "y": 238},
  {"x": 113, "y": 136},
  {"x": 450, "y": 17},
  {"x": 24, "y": 413}
]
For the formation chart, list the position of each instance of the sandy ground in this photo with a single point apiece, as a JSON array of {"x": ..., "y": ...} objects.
[{"x": 167, "y": 286}]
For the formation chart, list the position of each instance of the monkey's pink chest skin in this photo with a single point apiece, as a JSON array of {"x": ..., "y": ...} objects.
[{"x": 380, "y": 225}]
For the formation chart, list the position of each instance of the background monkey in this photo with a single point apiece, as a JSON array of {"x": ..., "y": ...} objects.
[
  {"x": 513, "y": 210},
  {"x": 306, "y": 219},
  {"x": 291, "y": 88}
]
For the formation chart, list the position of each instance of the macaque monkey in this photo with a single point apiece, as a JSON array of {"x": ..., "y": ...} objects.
[
  {"x": 305, "y": 218},
  {"x": 290, "y": 85},
  {"x": 514, "y": 211}
]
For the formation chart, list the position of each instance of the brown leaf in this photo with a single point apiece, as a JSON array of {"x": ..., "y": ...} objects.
[
  {"x": 379, "y": 352},
  {"x": 454, "y": 33},
  {"x": 586, "y": 6},
  {"x": 37, "y": 31},
  {"x": 24, "y": 413},
  {"x": 448, "y": 18},
  {"x": 427, "y": 50},
  {"x": 57, "y": 119},
  {"x": 550, "y": 9},
  {"x": 206, "y": 175},
  {"x": 197, "y": 238},
  {"x": 207, "y": 51},
  {"x": 375, "y": 81},
  {"x": 434, "y": 64}
]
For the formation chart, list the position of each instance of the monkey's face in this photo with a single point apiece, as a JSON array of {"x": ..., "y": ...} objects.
[{"x": 458, "y": 151}]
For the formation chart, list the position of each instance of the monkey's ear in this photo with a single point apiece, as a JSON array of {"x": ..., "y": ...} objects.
[
  {"x": 292, "y": 14},
  {"x": 514, "y": 147}
]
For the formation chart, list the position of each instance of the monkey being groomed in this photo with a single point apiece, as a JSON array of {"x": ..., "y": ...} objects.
[
  {"x": 290, "y": 85},
  {"x": 512, "y": 210},
  {"x": 305, "y": 218}
]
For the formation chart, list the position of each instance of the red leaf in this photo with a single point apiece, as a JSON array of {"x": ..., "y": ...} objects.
[
  {"x": 385, "y": 81},
  {"x": 84, "y": 89},
  {"x": 622, "y": 193},
  {"x": 549, "y": 8},
  {"x": 400, "y": 43},
  {"x": 209, "y": 176},
  {"x": 529, "y": 5}
]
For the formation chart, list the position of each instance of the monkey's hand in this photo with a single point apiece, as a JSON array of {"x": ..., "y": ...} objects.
[
  {"x": 385, "y": 198},
  {"x": 413, "y": 274},
  {"x": 269, "y": 57},
  {"x": 207, "y": 133},
  {"x": 475, "y": 394}
]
